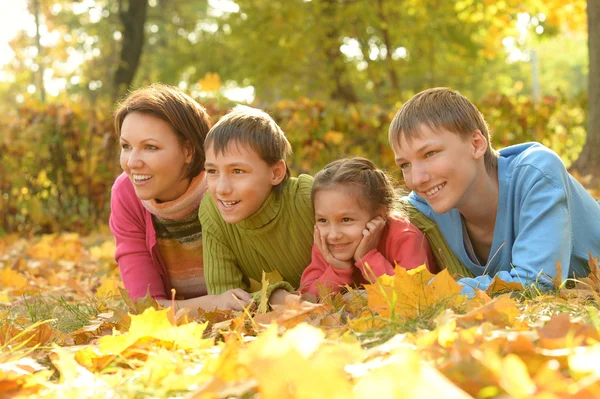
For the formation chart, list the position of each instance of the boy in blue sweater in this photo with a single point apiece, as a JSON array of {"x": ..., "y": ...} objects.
[{"x": 513, "y": 213}]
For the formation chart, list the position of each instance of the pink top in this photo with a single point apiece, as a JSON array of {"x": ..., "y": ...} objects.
[
  {"x": 137, "y": 252},
  {"x": 401, "y": 242}
]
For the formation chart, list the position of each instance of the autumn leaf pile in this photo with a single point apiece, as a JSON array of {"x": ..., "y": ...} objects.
[{"x": 69, "y": 331}]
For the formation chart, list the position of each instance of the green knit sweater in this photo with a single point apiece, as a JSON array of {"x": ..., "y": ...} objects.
[
  {"x": 279, "y": 236},
  {"x": 441, "y": 251}
]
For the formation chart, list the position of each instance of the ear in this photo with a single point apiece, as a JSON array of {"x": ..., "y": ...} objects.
[
  {"x": 278, "y": 172},
  {"x": 188, "y": 152},
  {"x": 479, "y": 144}
]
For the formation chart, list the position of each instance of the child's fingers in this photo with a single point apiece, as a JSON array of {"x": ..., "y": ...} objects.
[
  {"x": 242, "y": 295},
  {"x": 317, "y": 237}
]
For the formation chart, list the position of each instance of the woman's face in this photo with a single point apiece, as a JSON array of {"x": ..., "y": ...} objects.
[{"x": 154, "y": 158}]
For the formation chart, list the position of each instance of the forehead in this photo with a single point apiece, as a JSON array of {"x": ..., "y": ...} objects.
[
  {"x": 424, "y": 135},
  {"x": 146, "y": 126},
  {"x": 339, "y": 199}
]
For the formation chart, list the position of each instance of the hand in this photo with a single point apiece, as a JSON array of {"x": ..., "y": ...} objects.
[
  {"x": 235, "y": 299},
  {"x": 322, "y": 245},
  {"x": 278, "y": 297},
  {"x": 371, "y": 237}
]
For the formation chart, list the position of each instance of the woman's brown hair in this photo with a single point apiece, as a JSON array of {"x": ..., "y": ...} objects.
[{"x": 189, "y": 119}]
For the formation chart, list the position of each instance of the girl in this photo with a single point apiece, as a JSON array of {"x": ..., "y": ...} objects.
[
  {"x": 356, "y": 226},
  {"x": 154, "y": 203}
]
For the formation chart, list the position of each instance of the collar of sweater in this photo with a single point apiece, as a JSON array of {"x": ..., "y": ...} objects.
[
  {"x": 182, "y": 206},
  {"x": 265, "y": 214}
]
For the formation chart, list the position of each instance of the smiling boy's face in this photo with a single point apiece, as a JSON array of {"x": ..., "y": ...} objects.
[{"x": 240, "y": 181}]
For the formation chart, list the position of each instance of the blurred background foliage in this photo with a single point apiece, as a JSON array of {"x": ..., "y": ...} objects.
[{"x": 331, "y": 72}]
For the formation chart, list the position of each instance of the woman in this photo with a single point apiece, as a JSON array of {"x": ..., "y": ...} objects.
[{"x": 154, "y": 204}]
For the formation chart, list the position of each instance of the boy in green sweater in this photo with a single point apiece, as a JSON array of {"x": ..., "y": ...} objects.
[{"x": 257, "y": 218}]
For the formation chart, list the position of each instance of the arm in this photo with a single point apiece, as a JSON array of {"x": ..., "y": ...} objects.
[
  {"x": 410, "y": 249},
  {"x": 135, "y": 262},
  {"x": 236, "y": 299},
  {"x": 542, "y": 235},
  {"x": 220, "y": 266},
  {"x": 319, "y": 271}
]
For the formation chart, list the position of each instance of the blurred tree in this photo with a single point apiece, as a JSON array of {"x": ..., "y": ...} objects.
[
  {"x": 374, "y": 51},
  {"x": 133, "y": 17},
  {"x": 589, "y": 159}
]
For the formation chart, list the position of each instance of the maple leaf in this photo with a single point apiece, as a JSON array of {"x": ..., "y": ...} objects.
[
  {"x": 110, "y": 286},
  {"x": 501, "y": 311},
  {"x": 150, "y": 328},
  {"x": 291, "y": 313},
  {"x": 412, "y": 292},
  {"x": 139, "y": 306},
  {"x": 210, "y": 82},
  {"x": 402, "y": 375},
  {"x": 560, "y": 332},
  {"x": 299, "y": 356},
  {"x": 499, "y": 286}
]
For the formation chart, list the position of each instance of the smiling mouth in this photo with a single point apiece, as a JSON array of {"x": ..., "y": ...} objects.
[
  {"x": 140, "y": 178},
  {"x": 338, "y": 246},
  {"x": 229, "y": 204},
  {"x": 435, "y": 189}
]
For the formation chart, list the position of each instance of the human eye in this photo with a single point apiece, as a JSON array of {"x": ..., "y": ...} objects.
[
  {"x": 404, "y": 165},
  {"x": 238, "y": 171},
  {"x": 151, "y": 147},
  {"x": 346, "y": 220},
  {"x": 125, "y": 146},
  {"x": 321, "y": 220},
  {"x": 430, "y": 154},
  {"x": 211, "y": 171}
]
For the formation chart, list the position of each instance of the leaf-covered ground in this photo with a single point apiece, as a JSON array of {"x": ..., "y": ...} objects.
[{"x": 67, "y": 331}]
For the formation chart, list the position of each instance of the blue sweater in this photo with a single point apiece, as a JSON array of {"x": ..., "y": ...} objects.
[{"x": 544, "y": 216}]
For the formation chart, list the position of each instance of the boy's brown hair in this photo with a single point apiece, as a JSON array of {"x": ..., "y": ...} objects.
[
  {"x": 255, "y": 128},
  {"x": 189, "y": 120},
  {"x": 373, "y": 187},
  {"x": 437, "y": 108}
]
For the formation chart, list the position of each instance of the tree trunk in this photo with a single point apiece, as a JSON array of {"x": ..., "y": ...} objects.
[
  {"x": 39, "y": 58},
  {"x": 343, "y": 91},
  {"x": 385, "y": 32},
  {"x": 589, "y": 159},
  {"x": 133, "y": 17}
]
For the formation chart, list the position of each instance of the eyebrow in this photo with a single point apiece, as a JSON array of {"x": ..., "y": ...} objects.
[
  {"x": 420, "y": 150},
  {"x": 231, "y": 165},
  {"x": 141, "y": 142},
  {"x": 345, "y": 214}
]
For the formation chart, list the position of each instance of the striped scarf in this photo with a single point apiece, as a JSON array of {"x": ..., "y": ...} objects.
[{"x": 182, "y": 206}]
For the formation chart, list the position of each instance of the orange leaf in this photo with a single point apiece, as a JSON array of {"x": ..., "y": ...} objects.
[{"x": 499, "y": 286}]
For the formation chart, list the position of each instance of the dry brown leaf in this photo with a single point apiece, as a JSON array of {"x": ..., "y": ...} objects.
[{"x": 501, "y": 311}]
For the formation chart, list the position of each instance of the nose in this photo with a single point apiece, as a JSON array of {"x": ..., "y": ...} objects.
[
  {"x": 134, "y": 160},
  {"x": 419, "y": 175},
  {"x": 334, "y": 233},
  {"x": 223, "y": 185}
]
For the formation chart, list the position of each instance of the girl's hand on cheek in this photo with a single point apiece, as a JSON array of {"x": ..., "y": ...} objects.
[
  {"x": 371, "y": 237},
  {"x": 321, "y": 243}
]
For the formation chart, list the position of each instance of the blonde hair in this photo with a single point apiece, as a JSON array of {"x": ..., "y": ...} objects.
[{"x": 438, "y": 108}]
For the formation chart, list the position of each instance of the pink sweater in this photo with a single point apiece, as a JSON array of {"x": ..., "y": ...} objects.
[
  {"x": 401, "y": 242},
  {"x": 137, "y": 252}
]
